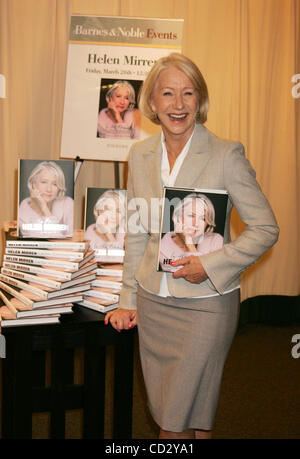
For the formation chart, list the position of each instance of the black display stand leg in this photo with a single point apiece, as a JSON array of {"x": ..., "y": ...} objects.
[
  {"x": 17, "y": 402},
  {"x": 58, "y": 383},
  {"x": 94, "y": 394},
  {"x": 79, "y": 163},
  {"x": 123, "y": 389}
]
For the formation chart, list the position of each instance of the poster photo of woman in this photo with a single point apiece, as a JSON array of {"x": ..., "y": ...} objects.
[
  {"x": 46, "y": 199},
  {"x": 195, "y": 223},
  {"x": 119, "y": 117}
]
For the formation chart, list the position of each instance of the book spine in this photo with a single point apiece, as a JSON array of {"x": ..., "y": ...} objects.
[
  {"x": 90, "y": 305},
  {"x": 29, "y": 277},
  {"x": 30, "y": 321},
  {"x": 16, "y": 294},
  {"x": 75, "y": 298},
  {"x": 44, "y": 253},
  {"x": 42, "y": 312},
  {"x": 8, "y": 303},
  {"x": 107, "y": 284},
  {"x": 97, "y": 307},
  {"x": 109, "y": 272},
  {"x": 42, "y": 261},
  {"x": 47, "y": 245},
  {"x": 108, "y": 259},
  {"x": 36, "y": 270},
  {"x": 24, "y": 286},
  {"x": 103, "y": 295}
]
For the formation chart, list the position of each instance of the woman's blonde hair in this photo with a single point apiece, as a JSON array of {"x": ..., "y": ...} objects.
[
  {"x": 185, "y": 65},
  {"x": 53, "y": 167}
]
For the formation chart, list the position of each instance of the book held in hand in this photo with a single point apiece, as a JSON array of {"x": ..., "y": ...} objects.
[{"x": 193, "y": 224}]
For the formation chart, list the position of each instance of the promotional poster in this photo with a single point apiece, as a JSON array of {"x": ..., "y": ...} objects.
[{"x": 108, "y": 60}]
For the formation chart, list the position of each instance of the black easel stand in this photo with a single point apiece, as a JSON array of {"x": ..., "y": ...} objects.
[
  {"x": 117, "y": 174},
  {"x": 79, "y": 163}
]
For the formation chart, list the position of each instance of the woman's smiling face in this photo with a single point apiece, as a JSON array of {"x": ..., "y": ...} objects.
[{"x": 175, "y": 100}]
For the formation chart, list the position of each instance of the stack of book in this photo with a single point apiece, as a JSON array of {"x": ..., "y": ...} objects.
[
  {"x": 42, "y": 279},
  {"x": 104, "y": 293},
  {"x": 105, "y": 226}
]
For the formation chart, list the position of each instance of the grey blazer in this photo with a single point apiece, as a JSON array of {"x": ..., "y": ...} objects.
[{"x": 211, "y": 163}]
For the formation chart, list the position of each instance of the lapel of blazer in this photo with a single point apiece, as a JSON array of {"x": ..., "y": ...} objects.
[
  {"x": 192, "y": 167},
  {"x": 152, "y": 165},
  {"x": 196, "y": 158}
]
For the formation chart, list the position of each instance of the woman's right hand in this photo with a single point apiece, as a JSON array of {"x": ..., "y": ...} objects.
[{"x": 121, "y": 319}]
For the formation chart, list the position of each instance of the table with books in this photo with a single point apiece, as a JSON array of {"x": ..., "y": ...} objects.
[{"x": 53, "y": 299}]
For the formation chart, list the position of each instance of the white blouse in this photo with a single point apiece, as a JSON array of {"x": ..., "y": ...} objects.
[{"x": 168, "y": 179}]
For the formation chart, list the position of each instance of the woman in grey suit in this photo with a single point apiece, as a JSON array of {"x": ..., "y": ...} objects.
[{"x": 186, "y": 319}]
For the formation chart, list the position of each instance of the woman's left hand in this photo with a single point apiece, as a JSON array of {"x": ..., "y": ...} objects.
[{"x": 192, "y": 270}]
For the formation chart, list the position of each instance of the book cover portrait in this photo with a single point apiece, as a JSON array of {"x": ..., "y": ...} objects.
[
  {"x": 105, "y": 221},
  {"x": 193, "y": 224},
  {"x": 46, "y": 199}
]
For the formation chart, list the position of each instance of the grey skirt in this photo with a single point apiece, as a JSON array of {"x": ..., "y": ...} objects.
[{"x": 183, "y": 347}]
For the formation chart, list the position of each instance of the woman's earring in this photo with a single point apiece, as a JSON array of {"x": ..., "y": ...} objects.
[{"x": 155, "y": 117}]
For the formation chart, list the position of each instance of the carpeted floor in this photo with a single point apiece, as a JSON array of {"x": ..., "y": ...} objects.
[{"x": 260, "y": 393}]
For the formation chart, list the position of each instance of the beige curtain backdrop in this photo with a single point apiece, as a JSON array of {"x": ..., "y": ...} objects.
[{"x": 248, "y": 51}]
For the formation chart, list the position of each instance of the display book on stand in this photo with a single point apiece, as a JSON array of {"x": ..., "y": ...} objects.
[{"x": 42, "y": 279}]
